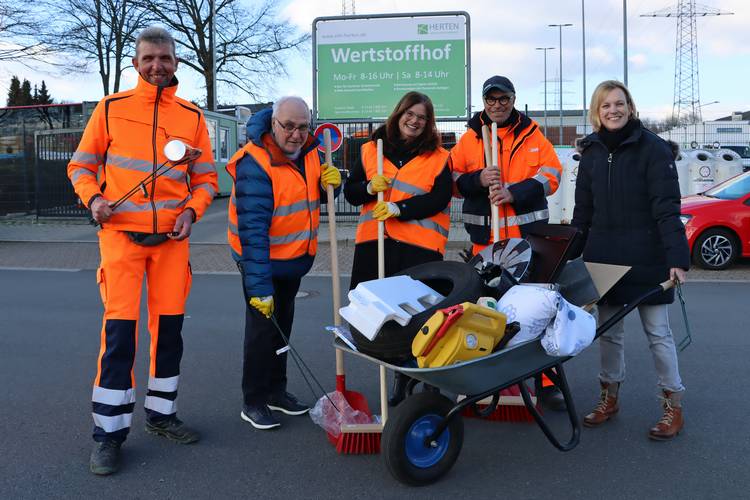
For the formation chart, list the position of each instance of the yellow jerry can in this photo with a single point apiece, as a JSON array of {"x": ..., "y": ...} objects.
[{"x": 458, "y": 333}]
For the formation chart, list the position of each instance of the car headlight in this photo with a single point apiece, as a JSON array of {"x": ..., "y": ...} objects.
[{"x": 685, "y": 218}]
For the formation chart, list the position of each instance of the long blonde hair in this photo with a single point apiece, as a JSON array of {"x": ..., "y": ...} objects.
[{"x": 600, "y": 93}]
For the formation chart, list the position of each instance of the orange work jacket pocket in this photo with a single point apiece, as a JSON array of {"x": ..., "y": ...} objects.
[
  {"x": 188, "y": 280},
  {"x": 102, "y": 284}
]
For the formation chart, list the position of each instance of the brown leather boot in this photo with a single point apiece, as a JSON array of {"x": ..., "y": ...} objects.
[
  {"x": 671, "y": 422},
  {"x": 607, "y": 406}
]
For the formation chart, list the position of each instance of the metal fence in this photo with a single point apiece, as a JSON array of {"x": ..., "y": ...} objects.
[
  {"x": 712, "y": 135},
  {"x": 35, "y": 146},
  {"x": 55, "y": 196}
]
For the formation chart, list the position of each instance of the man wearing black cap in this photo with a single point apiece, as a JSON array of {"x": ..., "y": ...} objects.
[
  {"x": 529, "y": 169},
  {"x": 528, "y": 172}
]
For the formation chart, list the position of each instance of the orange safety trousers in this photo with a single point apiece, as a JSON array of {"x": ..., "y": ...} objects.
[{"x": 120, "y": 278}]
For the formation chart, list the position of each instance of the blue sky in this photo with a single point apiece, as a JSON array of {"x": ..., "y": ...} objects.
[{"x": 503, "y": 40}]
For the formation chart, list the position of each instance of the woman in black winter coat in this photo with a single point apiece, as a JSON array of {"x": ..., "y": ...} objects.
[{"x": 627, "y": 204}]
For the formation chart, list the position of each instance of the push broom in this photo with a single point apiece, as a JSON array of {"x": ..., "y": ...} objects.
[
  {"x": 353, "y": 438},
  {"x": 510, "y": 406}
]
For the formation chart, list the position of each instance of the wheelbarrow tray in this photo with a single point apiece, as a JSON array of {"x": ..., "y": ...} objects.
[{"x": 494, "y": 372}]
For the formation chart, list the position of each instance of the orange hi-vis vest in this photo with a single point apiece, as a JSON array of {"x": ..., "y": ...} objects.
[
  {"x": 126, "y": 135},
  {"x": 522, "y": 154},
  {"x": 296, "y": 202},
  {"x": 415, "y": 178}
]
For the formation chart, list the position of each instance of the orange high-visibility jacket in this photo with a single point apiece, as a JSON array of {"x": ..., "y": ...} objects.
[
  {"x": 294, "y": 224},
  {"x": 530, "y": 169},
  {"x": 126, "y": 135},
  {"x": 415, "y": 178}
]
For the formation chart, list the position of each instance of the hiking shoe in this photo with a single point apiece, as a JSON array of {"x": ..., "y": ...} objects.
[
  {"x": 173, "y": 429},
  {"x": 259, "y": 417},
  {"x": 105, "y": 457},
  {"x": 286, "y": 403},
  {"x": 672, "y": 421},
  {"x": 607, "y": 406}
]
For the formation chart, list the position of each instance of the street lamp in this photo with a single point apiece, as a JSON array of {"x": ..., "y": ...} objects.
[
  {"x": 625, "y": 41},
  {"x": 560, "y": 27},
  {"x": 545, "y": 49},
  {"x": 583, "y": 53},
  {"x": 214, "y": 100},
  {"x": 696, "y": 118}
]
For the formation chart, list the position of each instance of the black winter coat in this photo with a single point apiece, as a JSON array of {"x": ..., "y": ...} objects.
[{"x": 627, "y": 204}]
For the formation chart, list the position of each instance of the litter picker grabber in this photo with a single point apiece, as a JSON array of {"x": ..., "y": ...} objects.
[
  {"x": 177, "y": 153},
  {"x": 490, "y": 160},
  {"x": 353, "y": 438}
]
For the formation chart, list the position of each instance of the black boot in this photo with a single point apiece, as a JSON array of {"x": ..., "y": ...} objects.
[
  {"x": 398, "y": 392},
  {"x": 105, "y": 457},
  {"x": 551, "y": 396}
]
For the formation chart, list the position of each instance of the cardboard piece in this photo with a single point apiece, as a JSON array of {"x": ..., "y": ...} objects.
[
  {"x": 605, "y": 276},
  {"x": 584, "y": 283}
]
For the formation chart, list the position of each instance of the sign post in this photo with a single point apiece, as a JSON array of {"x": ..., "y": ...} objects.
[{"x": 336, "y": 137}]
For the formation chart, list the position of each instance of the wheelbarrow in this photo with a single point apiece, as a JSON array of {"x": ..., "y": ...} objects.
[{"x": 424, "y": 435}]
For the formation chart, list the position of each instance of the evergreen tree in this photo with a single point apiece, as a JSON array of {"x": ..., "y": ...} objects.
[
  {"x": 35, "y": 95},
  {"x": 44, "y": 97},
  {"x": 14, "y": 92},
  {"x": 25, "y": 97}
]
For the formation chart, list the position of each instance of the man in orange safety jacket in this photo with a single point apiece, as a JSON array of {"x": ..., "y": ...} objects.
[
  {"x": 274, "y": 210},
  {"x": 528, "y": 171},
  {"x": 145, "y": 234},
  {"x": 527, "y": 162}
]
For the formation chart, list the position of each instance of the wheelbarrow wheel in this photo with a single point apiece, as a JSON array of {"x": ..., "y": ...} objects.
[{"x": 408, "y": 457}]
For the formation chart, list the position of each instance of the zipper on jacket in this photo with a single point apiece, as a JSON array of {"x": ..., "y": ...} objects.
[
  {"x": 153, "y": 168},
  {"x": 609, "y": 174}
]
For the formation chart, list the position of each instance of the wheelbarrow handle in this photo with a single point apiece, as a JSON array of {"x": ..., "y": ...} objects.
[
  {"x": 667, "y": 285},
  {"x": 627, "y": 308}
]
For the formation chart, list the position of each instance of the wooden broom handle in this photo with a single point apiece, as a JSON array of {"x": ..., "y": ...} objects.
[
  {"x": 490, "y": 159},
  {"x": 381, "y": 275},
  {"x": 336, "y": 282}
]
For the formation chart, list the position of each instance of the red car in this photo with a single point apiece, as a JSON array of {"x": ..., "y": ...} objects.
[{"x": 717, "y": 223}]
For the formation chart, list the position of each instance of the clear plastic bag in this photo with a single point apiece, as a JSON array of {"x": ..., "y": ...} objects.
[{"x": 329, "y": 418}]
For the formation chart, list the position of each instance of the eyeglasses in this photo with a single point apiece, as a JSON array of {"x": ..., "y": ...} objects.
[
  {"x": 289, "y": 128},
  {"x": 410, "y": 115},
  {"x": 503, "y": 100}
]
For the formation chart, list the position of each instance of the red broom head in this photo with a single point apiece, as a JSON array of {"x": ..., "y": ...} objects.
[
  {"x": 510, "y": 408},
  {"x": 358, "y": 443},
  {"x": 355, "y": 443}
]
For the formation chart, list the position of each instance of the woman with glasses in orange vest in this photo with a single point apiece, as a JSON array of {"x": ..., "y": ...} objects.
[{"x": 416, "y": 184}]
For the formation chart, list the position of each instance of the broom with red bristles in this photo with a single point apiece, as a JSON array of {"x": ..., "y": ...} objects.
[
  {"x": 353, "y": 438},
  {"x": 510, "y": 406}
]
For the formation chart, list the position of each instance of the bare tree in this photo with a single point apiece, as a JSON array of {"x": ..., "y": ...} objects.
[
  {"x": 18, "y": 31},
  {"x": 95, "y": 32},
  {"x": 250, "y": 43}
]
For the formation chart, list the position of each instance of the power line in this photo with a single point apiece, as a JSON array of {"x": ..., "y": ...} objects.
[{"x": 686, "y": 104}]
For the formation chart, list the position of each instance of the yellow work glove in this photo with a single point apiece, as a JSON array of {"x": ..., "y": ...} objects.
[
  {"x": 264, "y": 305},
  {"x": 329, "y": 176},
  {"x": 385, "y": 210},
  {"x": 378, "y": 184}
]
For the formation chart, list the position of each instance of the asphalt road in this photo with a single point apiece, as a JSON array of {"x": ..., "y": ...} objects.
[{"x": 48, "y": 348}]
